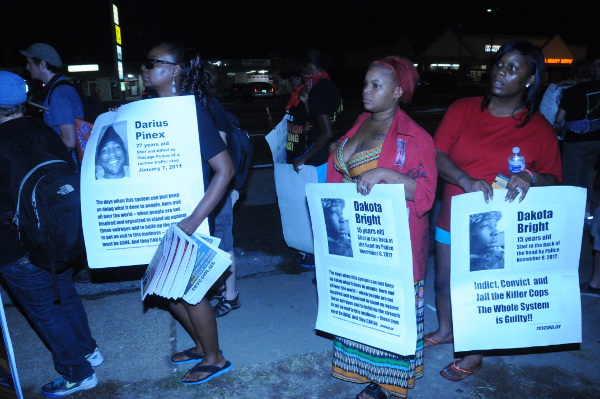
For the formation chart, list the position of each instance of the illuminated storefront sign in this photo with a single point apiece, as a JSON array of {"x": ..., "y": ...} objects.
[
  {"x": 558, "y": 60},
  {"x": 83, "y": 68}
]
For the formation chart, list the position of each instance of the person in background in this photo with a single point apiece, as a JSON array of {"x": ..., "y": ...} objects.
[
  {"x": 62, "y": 326},
  {"x": 473, "y": 143},
  {"x": 227, "y": 295},
  {"x": 325, "y": 108},
  {"x": 297, "y": 109},
  {"x": 172, "y": 70},
  {"x": 579, "y": 119},
  {"x": 61, "y": 105},
  {"x": 551, "y": 99},
  {"x": 64, "y": 105},
  {"x": 298, "y": 126},
  {"x": 386, "y": 146}
]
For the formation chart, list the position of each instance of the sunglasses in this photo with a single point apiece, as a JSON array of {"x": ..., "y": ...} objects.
[{"x": 150, "y": 62}]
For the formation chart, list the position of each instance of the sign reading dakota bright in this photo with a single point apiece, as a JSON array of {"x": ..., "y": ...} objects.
[
  {"x": 514, "y": 277},
  {"x": 364, "y": 265}
]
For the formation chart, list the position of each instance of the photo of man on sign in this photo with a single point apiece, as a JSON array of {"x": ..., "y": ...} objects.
[{"x": 112, "y": 161}]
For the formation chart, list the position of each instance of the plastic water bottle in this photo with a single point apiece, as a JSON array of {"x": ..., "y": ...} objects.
[{"x": 516, "y": 161}]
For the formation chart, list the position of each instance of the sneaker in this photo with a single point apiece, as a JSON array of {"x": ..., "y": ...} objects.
[
  {"x": 61, "y": 387},
  {"x": 95, "y": 358},
  {"x": 83, "y": 277}
]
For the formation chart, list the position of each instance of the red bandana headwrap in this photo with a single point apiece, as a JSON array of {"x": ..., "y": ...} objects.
[{"x": 311, "y": 80}]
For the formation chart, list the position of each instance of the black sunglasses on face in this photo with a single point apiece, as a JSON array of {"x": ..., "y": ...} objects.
[{"x": 150, "y": 62}]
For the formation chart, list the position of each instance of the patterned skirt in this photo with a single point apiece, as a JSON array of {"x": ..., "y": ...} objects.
[{"x": 356, "y": 362}]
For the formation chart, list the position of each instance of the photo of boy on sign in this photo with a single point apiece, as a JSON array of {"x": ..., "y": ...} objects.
[
  {"x": 338, "y": 228},
  {"x": 486, "y": 243}
]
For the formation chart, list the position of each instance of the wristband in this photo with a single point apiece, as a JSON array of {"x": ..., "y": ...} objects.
[{"x": 530, "y": 174}]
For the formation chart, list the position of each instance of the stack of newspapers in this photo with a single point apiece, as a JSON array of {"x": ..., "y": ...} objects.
[{"x": 184, "y": 266}]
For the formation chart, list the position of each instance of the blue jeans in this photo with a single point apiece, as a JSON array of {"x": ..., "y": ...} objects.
[{"x": 63, "y": 327}]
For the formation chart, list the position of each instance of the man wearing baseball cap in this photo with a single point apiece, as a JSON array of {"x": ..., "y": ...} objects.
[
  {"x": 24, "y": 143},
  {"x": 64, "y": 104}
]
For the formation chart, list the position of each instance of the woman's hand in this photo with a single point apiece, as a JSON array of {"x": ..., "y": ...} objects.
[
  {"x": 368, "y": 179},
  {"x": 188, "y": 226},
  {"x": 298, "y": 164},
  {"x": 519, "y": 183},
  {"x": 470, "y": 185},
  {"x": 303, "y": 95}
]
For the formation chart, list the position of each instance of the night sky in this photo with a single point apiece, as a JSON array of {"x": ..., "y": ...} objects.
[{"x": 258, "y": 29}]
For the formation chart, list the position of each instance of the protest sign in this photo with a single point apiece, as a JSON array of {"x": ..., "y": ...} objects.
[
  {"x": 514, "y": 276},
  {"x": 10, "y": 386},
  {"x": 290, "y": 189},
  {"x": 277, "y": 139},
  {"x": 364, "y": 265},
  {"x": 141, "y": 172}
]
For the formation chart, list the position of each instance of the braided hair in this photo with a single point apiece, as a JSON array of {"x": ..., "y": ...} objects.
[{"x": 193, "y": 76}]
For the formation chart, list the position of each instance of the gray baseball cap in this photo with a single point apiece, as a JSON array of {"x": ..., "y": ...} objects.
[{"x": 44, "y": 52}]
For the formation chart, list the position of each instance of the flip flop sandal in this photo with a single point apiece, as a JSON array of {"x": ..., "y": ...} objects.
[
  {"x": 427, "y": 338},
  {"x": 193, "y": 357},
  {"x": 374, "y": 391},
  {"x": 464, "y": 373},
  {"x": 215, "y": 370}
]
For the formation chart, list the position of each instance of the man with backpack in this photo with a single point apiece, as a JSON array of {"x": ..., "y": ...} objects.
[
  {"x": 48, "y": 297},
  {"x": 63, "y": 104}
]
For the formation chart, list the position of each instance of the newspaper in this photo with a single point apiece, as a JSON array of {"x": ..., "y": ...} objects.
[{"x": 184, "y": 266}]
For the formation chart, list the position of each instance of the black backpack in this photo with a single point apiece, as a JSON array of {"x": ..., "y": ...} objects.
[
  {"x": 48, "y": 216},
  {"x": 46, "y": 189},
  {"x": 240, "y": 146}
]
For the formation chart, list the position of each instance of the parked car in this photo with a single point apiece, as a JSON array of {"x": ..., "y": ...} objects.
[{"x": 261, "y": 89}]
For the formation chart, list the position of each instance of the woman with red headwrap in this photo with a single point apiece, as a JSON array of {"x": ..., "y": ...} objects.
[{"x": 386, "y": 146}]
